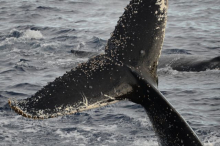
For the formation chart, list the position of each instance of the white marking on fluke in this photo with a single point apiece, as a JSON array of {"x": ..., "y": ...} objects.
[
  {"x": 109, "y": 96},
  {"x": 85, "y": 100}
]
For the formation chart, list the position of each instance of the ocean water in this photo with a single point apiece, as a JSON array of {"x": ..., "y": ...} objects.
[{"x": 36, "y": 39}]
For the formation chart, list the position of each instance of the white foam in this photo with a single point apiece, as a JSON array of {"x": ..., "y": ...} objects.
[
  {"x": 209, "y": 144},
  {"x": 28, "y": 34},
  {"x": 75, "y": 134},
  {"x": 32, "y": 34},
  {"x": 212, "y": 140},
  {"x": 141, "y": 142}
]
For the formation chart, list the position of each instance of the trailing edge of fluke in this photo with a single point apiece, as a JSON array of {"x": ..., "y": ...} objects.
[{"x": 127, "y": 71}]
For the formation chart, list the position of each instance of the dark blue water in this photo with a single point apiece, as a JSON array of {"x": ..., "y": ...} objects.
[{"x": 36, "y": 39}]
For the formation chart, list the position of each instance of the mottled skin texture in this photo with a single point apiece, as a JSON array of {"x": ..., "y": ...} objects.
[
  {"x": 138, "y": 37},
  {"x": 135, "y": 44},
  {"x": 98, "y": 81}
]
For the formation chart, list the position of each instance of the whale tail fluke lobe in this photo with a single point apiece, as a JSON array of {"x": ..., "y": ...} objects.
[
  {"x": 98, "y": 82},
  {"x": 138, "y": 36}
]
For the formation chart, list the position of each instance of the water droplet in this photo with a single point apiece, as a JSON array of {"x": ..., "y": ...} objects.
[{"x": 142, "y": 52}]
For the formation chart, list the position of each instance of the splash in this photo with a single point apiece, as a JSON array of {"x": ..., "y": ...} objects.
[{"x": 32, "y": 34}]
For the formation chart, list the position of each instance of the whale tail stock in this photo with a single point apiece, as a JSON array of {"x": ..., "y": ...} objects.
[
  {"x": 135, "y": 43},
  {"x": 169, "y": 125}
]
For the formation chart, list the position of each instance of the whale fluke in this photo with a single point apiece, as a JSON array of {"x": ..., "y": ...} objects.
[
  {"x": 127, "y": 71},
  {"x": 135, "y": 43}
]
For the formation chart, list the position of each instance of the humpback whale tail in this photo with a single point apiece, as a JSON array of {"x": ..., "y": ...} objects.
[
  {"x": 135, "y": 43},
  {"x": 133, "y": 49}
]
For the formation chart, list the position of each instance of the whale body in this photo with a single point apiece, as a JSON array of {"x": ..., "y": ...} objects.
[{"x": 127, "y": 71}]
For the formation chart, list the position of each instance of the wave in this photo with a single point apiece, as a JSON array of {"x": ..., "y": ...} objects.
[
  {"x": 11, "y": 94},
  {"x": 8, "y": 71},
  {"x": 95, "y": 44},
  {"x": 176, "y": 51},
  {"x": 27, "y": 34},
  {"x": 25, "y": 86},
  {"x": 15, "y": 34},
  {"x": 23, "y": 66},
  {"x": 32, "y": 34},
  {"x": 47, "y": 8}
]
